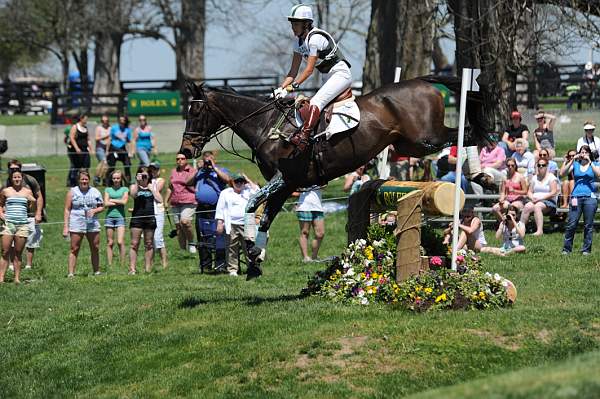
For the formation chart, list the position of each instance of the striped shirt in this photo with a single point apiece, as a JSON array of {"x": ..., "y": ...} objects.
[{"x": 16, "y": 210}]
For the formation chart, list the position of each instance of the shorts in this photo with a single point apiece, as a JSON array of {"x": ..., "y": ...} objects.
[
  {"x": 35, "y": 234},
  {"x": 79, "y": 224},
  {"x": 100, "y": 154},
  {"x": 159, "y": 237},
  {"x": 112, "y": 222},
  {"x": 183, "y": 212},
  {"x": 309, "y": 216},
  {"x": 143, "y": 222},
  {"x": 17, "y": 230}
]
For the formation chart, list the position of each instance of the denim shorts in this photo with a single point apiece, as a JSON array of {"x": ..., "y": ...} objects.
[
  {"x": 114, "y": 222},
  {"x": 100, "y": 154}
]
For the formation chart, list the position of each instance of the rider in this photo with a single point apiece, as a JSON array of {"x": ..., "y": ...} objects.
[{"x": 319, "y": 50}]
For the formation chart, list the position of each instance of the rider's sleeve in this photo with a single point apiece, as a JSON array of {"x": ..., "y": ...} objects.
[{"x": 317, "y": 43}]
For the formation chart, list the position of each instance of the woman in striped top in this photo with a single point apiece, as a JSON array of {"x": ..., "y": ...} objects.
[{"x": 14, "y": 202}]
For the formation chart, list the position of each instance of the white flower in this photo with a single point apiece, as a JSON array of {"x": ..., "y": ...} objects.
[
  {"x": 367, "y": 261},
  {"x": 362, "y": 242},
  {"x": 504, "y": 283},
  {"x": 360, "y": 294},
  {"x": 350, "y": 272},
  {"x": 487, "y": 274},
  {"x": 497, "y": 277},
  {"x": 364, "y": 301},
  {"x": 369, "y": 282}
]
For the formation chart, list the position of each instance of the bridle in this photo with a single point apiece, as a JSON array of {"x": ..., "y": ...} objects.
[{"x": 227, "y": 125}]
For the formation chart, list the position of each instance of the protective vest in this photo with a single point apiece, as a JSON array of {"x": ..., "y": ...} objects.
[{"x": 329, "y": 56}]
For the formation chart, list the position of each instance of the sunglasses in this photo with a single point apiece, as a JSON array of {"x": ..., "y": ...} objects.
[
  {"x": 543, "y": 155},
  {"x": 510, "y": 165},
  {"x": 180, "y": 159},
  {"x": 541, "y": 165}
]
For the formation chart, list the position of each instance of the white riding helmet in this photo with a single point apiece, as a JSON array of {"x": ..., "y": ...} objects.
[{"x": 300, "y": 12}]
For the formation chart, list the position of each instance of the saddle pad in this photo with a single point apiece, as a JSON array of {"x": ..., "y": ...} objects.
[{"x": 344, "y": 117}]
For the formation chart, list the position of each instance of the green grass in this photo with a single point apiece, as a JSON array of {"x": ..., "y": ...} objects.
[{"x": 176, "y": 333}]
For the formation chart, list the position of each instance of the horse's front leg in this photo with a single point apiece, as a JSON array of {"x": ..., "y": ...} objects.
[{"x": 274, "y": 185}]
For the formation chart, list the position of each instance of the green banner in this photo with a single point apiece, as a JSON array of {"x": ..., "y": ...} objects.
[
  {"x": 445, "y": 92},
  {"x": 153, "y": 103}
]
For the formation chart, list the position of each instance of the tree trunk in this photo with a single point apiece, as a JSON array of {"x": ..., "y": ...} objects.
[
  {"x": 81, "y": 59},
  {"x": 106, "y": 62},
  {"x": 64, "y": 66},
  {"x": 189, "y": 51},
  {"x": 400, "y": 34}
]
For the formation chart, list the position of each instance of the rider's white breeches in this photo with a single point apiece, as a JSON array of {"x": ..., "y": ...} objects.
[{"x": 337, "y": 80}]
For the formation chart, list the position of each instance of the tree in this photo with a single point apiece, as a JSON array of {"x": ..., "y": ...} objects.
[{"x": 401, "y": 33}]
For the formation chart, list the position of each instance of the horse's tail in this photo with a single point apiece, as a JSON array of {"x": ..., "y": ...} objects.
[{"x": 480, "y": 126}]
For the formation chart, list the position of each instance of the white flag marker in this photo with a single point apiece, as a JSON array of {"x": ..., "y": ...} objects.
[{"x": 469, "y": 83}]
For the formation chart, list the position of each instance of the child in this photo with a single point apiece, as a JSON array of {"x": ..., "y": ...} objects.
[
  {"x": 470, "y": 232},
  {"x": 512, "y": 233},
  {"x": 230, "y": 217}
]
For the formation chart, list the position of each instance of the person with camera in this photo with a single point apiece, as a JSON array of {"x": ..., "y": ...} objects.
[
  {"x": 590, "y": 140},
  {"x": 181, "y": 197},
  {"x": 82, "y": 205},
  {"x": 34, "y": 214},
  {"x": 120, "y": 137},
  {"x": 230, "y": 213},
  {"x": 569, "y": 183},
  {"x": 511, "y": 232},
  {"x": 583, "y": 198},
  {"x": 210, "y": 180},
  {"x": 143, "y": 221}
]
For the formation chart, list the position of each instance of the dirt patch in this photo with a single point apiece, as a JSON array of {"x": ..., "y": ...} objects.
[
  {"x": 544, "y": 336},
  {"x": 510, "y": 343}
]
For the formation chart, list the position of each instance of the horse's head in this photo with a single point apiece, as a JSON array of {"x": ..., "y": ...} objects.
[{"x": 202, "y": 121}]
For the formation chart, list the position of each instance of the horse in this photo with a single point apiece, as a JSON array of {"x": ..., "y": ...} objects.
[{"x": 408, "y": 115}]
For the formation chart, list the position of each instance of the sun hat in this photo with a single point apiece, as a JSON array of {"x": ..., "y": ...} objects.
[{"x": 589, "y": 126}]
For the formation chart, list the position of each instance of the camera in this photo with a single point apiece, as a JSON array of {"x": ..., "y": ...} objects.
[
  {"x": 594, "y": 155},
  {"x": 207, "y": 164},
  {"x": 173, "y": 233}
]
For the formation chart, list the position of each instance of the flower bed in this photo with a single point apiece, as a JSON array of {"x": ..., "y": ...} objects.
[{"x": 365, "y": 273}]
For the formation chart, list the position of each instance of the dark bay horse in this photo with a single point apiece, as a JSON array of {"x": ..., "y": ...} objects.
[{"x": 409, "y": 115}]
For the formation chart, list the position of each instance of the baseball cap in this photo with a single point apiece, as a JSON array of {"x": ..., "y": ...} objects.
[
  {"x": 154, "y": 164},
  {"x": 237, "y": 177},
  {"x": 515, "y": 114}
]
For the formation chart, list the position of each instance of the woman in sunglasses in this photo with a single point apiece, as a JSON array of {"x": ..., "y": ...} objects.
[
  {"x": 144, "y": 195},
  {"x": 542, "y": 194},
  {"x": 512, "y": 190},
  {"x": 583, "y": 199},
  {"x": 569, "y": 183}
]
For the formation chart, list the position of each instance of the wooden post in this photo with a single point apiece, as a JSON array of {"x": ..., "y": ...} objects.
[{"x": 408, "y": 233}]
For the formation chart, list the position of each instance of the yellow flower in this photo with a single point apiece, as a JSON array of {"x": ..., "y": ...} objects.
[
  {"x": 428, "y": 290},
  {"x": 441, "y": 298},
  {"x": 369, "y": 252},
  {"x": 418, "y": 288},
  {"x": 374, "y": 275},
  {"x": 481, "y": 295}
]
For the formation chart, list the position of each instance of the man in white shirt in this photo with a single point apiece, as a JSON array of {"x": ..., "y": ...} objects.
[{"x": 230, "y": 213}]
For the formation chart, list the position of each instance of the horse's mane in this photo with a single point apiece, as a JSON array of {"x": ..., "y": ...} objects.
[{"x": 231, "y": 91}]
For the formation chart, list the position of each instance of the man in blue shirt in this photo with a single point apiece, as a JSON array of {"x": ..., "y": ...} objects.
[
  {"x": 120, "y": 137},
  {"x": 209, "y": 180}
]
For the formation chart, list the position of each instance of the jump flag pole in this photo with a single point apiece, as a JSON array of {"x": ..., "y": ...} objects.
[
  {"x": 383, "y": 167},
  {"x": 469, "y": 83}
]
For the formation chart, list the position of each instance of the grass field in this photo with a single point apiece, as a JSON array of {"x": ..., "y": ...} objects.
[{"x": 177, "y": 333}]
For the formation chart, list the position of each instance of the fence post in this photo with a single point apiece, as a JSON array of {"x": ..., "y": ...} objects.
[{"x": 54, "y": 113}]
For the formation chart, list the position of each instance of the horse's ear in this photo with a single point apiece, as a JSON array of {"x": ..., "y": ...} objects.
[{"x": 192, "y": 88}]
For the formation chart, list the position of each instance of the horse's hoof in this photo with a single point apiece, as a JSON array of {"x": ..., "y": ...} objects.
[{"x": 254, "y": 271}]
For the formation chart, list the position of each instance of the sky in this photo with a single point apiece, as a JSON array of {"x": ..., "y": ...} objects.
[{"x": 226, "y": 54}]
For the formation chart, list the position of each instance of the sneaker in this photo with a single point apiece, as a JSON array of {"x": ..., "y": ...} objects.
[
  {"x": 70, "y": 275},
  {"x": 233, "y": 274},
  {"x": 11, "y": 268},
  {"x": 27, "y": 267},
  {"x": 97, "y": 273},
  {"x": 131, "y": 273},
  {"x": 192, "y": 249},
  {"x": 565, "y": 253},
  {"x": 585, "y": 253}
]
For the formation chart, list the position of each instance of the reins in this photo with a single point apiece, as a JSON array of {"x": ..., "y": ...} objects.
[{"x": 231, "y": 126}]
